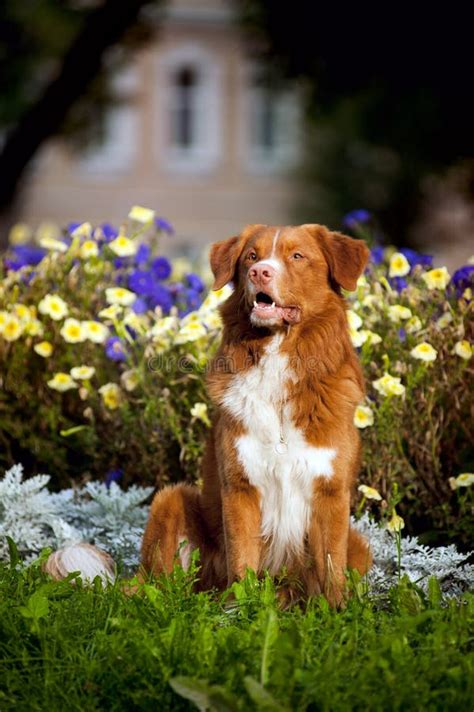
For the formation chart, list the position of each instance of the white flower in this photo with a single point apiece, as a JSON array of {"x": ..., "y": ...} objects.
[
  {"x": 82, "y": 373},
  {"x": 396, "y": 523},
  {"x": 142, "y": 215},
  {"x": 463, "y": 349},
  {"x": 357, "y": 337},
  {"x": 444, "y": 320},
  {"x": 413, "y": 325},
  {"x": 43, "y": 349},
  {"x": 199, "y": 411},
  {"x": 424, "y": 352},
  {"x": 12, "y": 328},
  {"x": 190, "y": 332},
  {"x": 123, "y": 246},
  {"x": 398, "y": 266},
  {"x": 95, "y": 331},
  {"x": 112, "y": 312},
  {"x": 120, "y": 295},
  {"x": 436, "y": 278},
  {"x": 89, "y": 248},
  {"x": 82, "y": 230},
  {"x": 72, "y": 331},
  {"x": 50, "y": 243},
  {"x": 370, "y": 336},
  {"x": 363, "y": 417},
  {"x": 369, "y": 492},
  {"x": 130, "y": 379},
  {"x": 111, "y": 395},
  {"x": 53, "y": 306},
  {"x": 355, "y": 322},
  {"x": 397, "y": 312},
  {"x": 62, "y": 382},
  {"x": 213, "y": 299},
  {"x": 464, "y": 480},
  {"x": 389, "y": 385}
]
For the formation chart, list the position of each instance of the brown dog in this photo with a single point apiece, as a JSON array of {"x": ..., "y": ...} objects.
[{"x": 283, "y": 452}]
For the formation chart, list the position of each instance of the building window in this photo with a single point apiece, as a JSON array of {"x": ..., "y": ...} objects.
[{"x": 188, "y": 105}]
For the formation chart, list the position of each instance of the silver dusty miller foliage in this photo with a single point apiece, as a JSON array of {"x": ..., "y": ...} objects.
[{"x": 114, "y": 520}]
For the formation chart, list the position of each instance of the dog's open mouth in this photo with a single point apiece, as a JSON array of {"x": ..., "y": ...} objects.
[{"x": 265, "y": 310}]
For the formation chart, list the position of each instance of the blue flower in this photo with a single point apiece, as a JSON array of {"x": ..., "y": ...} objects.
[
  {"x": 402, "y": 334},
  {"x": 139, "y": 306},
  {"x": 113, "y": 476},
  {"x": 110, "y": 232},
  {"x": 355, "y": 218},
  {"x": 398, "y": 283},
  {"x": 164, "y": 225},
  {"x": 114, "y": 348},
  {"x": 377, "y": 254},
  {"x": 463, "y": 278},
  {"x": 161, "y": 267},
  {"x": 195, "y": 282},
  {"x": 193, "y": 299},
  {"x": 414, "y": 258},
  {"x": 23, "y": 256},
  {"x": 143, "y": 253},
  {"x": 141, "y": 282},
  {"x": 161, "y": 297},
  {"x": 72, "y": 226}
]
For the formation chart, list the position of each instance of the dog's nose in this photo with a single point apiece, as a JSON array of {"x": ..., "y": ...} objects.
[{"x": 261, "y": 273}]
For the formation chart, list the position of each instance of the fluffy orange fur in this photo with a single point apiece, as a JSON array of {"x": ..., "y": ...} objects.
[{"x": 224, "y": 519}]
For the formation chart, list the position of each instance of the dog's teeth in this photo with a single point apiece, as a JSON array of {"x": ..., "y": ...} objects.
[
  {"x": 273, "y": 305},
  {"x": 255, "y": 304}
]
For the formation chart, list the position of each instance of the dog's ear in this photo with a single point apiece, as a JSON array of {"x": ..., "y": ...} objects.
[
  {"x": 346, "y": 257},
  {"x": 223, "y": 258}
]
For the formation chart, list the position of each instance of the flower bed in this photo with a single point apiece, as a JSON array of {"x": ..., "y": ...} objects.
[{"x": 104, "y": 346}]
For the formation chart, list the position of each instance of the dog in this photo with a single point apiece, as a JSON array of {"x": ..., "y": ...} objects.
[{"x": 283, "y": 452}]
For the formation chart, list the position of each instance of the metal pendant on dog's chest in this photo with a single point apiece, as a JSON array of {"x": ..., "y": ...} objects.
[{"x": 281, "y": 448}]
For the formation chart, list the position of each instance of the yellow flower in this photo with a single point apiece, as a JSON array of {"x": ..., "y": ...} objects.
[
  {"x": 436, "y": 278},
  {"x": 389, "y": 385},
  {"x": 467, "y": 294},
  {"x": 357, "y": 337},
  {"x": 413, "y": 325},
  {"x": 89, "y": 248},
  {"x": 369, "y": 492},
  {"x": 4, "y": 315},
  {"x": 398, "y": 266},
  {"x": 22, "y": 312},
  {"x": 112, "y": 312},
  {"x": 199, "y": 411},
  {"x": 190, "y": 332},
  {"x": 130, "y": 379},
  {"x": 396, "y": 523},
  {"x": 111, "y": 395},
  {"x": 397, "y": 312},
  {"x": 19, "y": 234},
  {"x": 363, "y": 417},
  {"x": 95, "y": 331},
  {"x": 120, "y": 295},
  {"x": 50, "y": 243},
  {"x": 34, "y": 327},
  {"x": 123, "y": 246},
  {"x": 142, "y": 215},
  {"x": 62, "y": 382},
  {"x": 163, "y": 327},
  {"x": 212, "y": 321},
  {"x": 53, "y": 306},
  {"x": 463, "y": 349},
  {"x": 82, "y": 373},
  {"x": 424, "y": 352},
  {"x": 213, "y": 299},
  {"x": 83, "y": 230},
  {"x": 444, "y": 320},
  {"x": 44, "y": 349},
  {"x": 370, "y": 336},
  {"x": 464, "y": 480},
  {"x": 12, "y": 328},
  {"x": 355, "y": 322},
  {"x": 72, "y": 331}
]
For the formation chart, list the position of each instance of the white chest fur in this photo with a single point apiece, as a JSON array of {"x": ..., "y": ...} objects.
[{"x": 284, "y": 479}]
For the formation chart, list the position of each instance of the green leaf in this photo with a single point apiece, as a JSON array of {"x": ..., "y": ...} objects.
[
  {"x": 271, "y": 634},
  {"x": 37, "y": 607},
  {"x": 13, "y": 552},
  {"x": 73, "y": 431},
  {"x": 261, "y": 697},
  {"x": 206, "y": 697},
  {"x": 435, "y": 595}
]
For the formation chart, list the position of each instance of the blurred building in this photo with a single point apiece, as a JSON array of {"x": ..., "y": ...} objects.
[{"x": 199, "y": 137}]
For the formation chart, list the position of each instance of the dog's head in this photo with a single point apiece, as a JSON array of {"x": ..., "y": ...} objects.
[{"x": 284, "y": 275}]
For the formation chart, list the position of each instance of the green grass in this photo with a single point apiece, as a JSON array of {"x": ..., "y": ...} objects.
[{"x": 70, "y": 647}]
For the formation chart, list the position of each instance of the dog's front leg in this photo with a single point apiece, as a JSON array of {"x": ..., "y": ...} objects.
[
  {"x": 242, "y": 520},
  {"x": 328, "y": 539}
]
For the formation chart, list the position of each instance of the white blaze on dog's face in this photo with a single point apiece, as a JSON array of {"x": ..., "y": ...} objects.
[{"x": 284, "y": 274}]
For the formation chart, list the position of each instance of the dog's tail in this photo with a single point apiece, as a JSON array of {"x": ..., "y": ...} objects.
[{"x": 88, "y": 560}]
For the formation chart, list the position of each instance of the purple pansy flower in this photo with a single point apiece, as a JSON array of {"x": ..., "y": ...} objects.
[
  {"x": 414, "y": 258},
  {"x": 139, "y": 306},
  {"x": 110, "y": 232},
  {"x": 377, "y": 254},
  {"x": 463, "y": 278},
  {"x": 114, "y": 348},
  {"x": 141, "y": 282},
  {"x": 402, "y": 334},
  {"x": 113, "y": 476},
  {"x": 161, "y": 267},
  {"x": 195, "y": 282},
  {"x": 398, "y": 283},
  {"x": 23, "y": 256},
  {"x": 164, "y": 225},
  {"x": 143, "y": 253},
  {"x": 355, "y": 218},
  {"x": 161, "y": 297},
  {"x": 72, "y": 226}
]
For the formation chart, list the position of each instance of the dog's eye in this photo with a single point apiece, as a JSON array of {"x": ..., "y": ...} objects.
[
  {"x": 297, "y": 256},
  {"x": 252, "y": 256}
]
